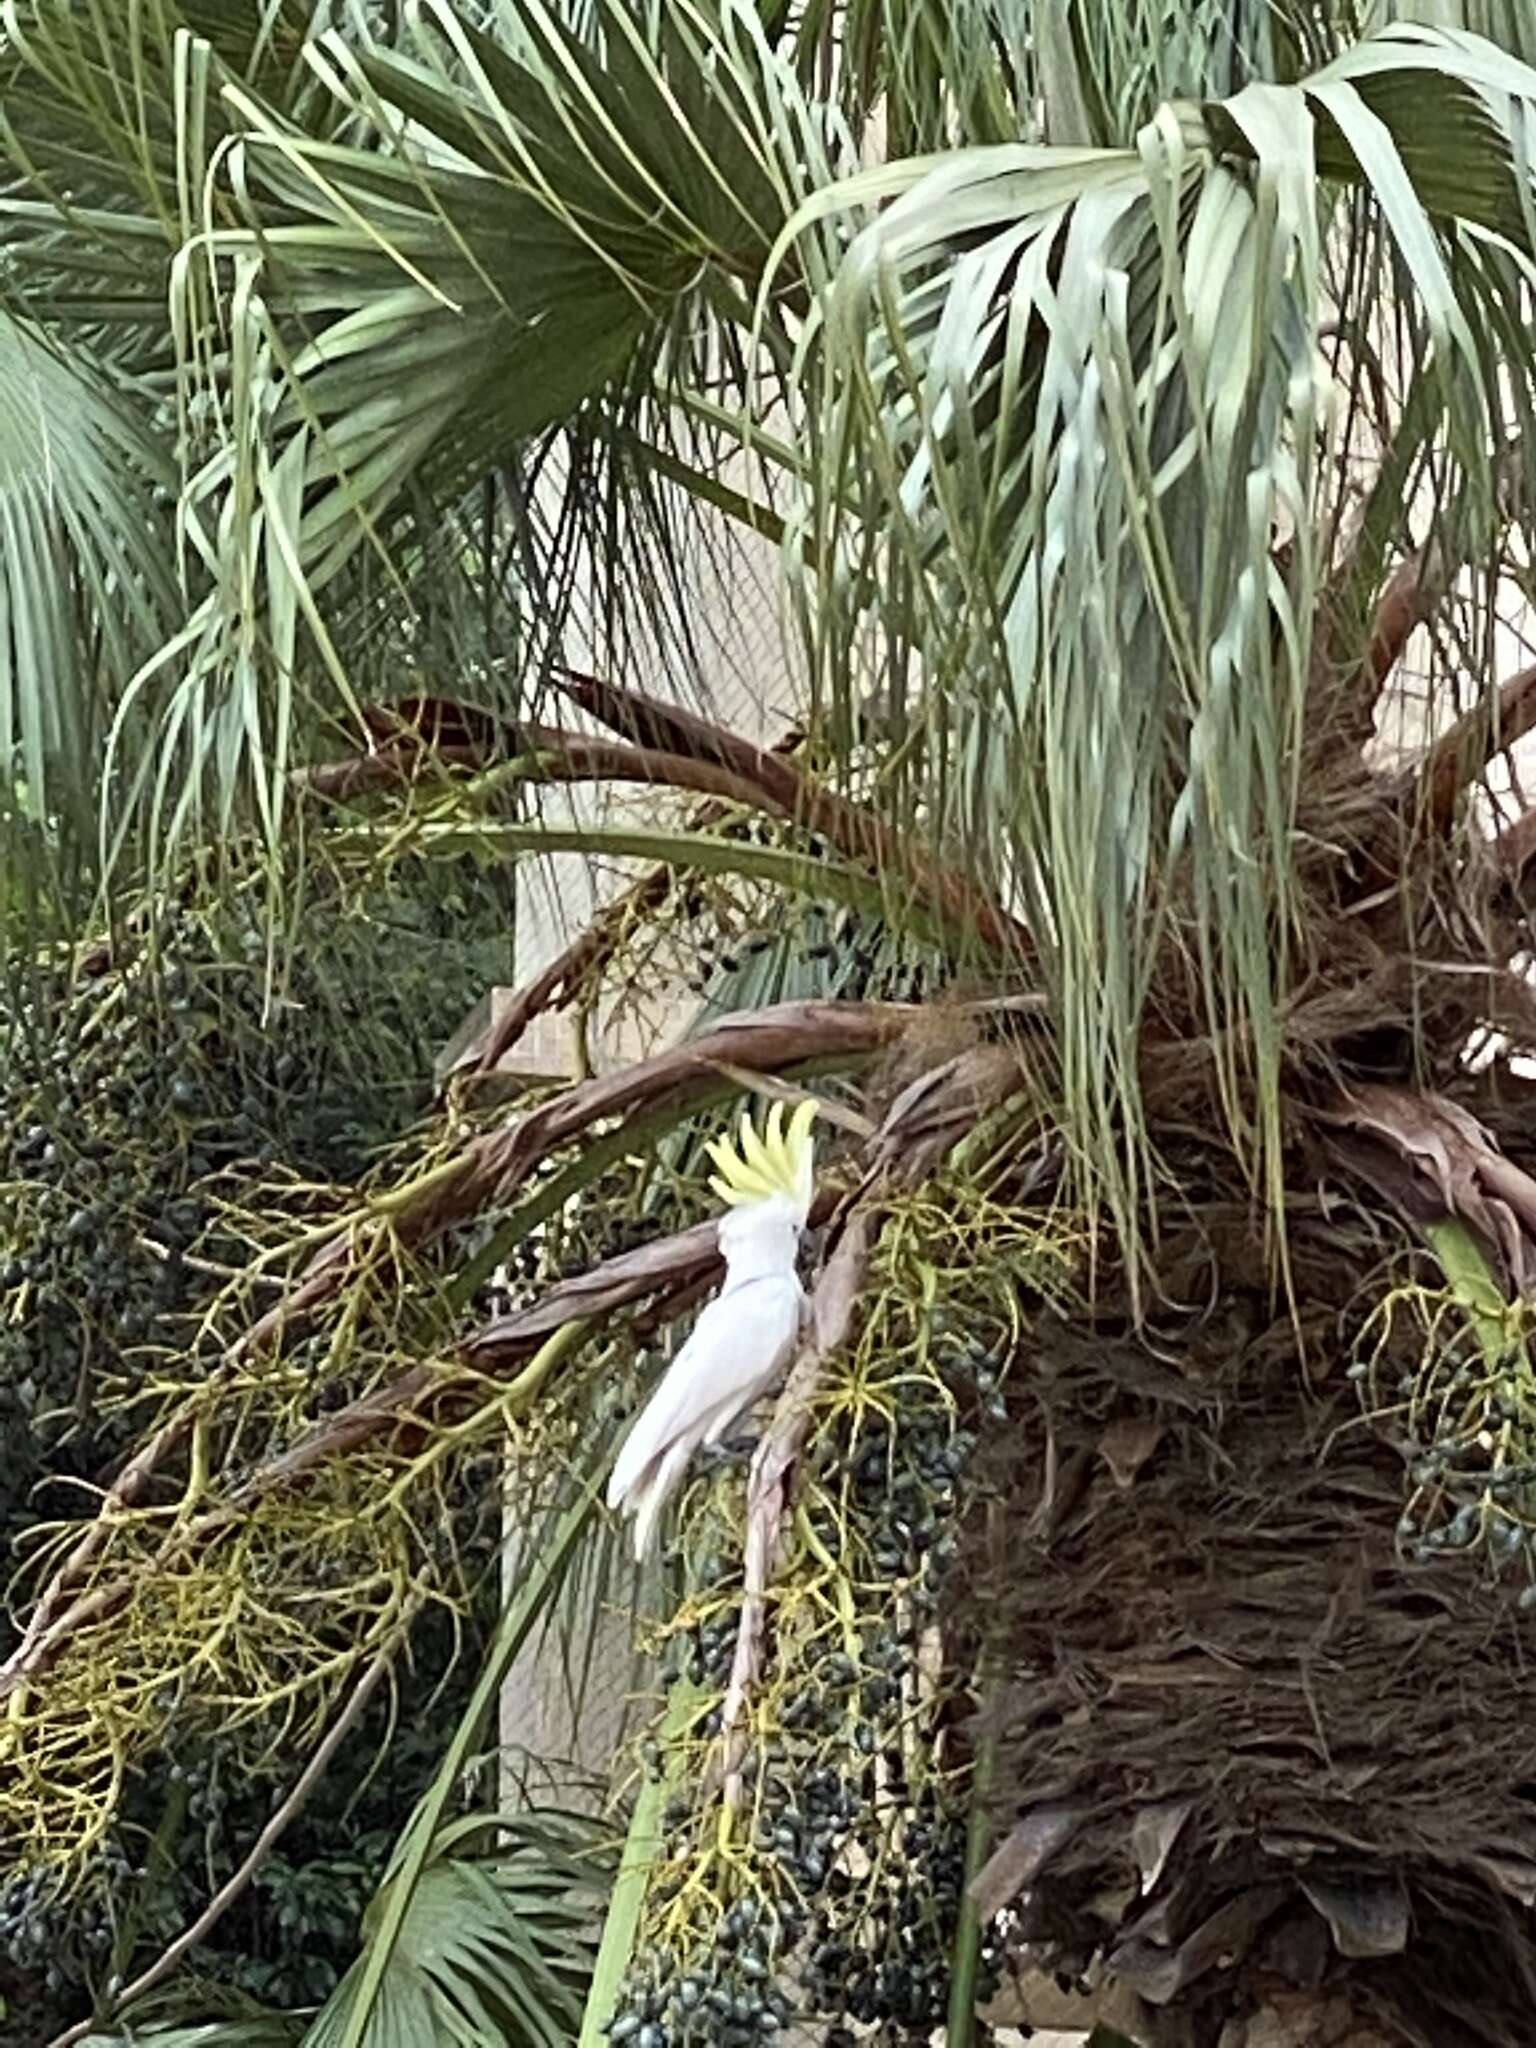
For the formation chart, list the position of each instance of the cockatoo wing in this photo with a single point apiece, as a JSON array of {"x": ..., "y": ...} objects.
[
  {"x": 661, "y": 1478},
  {"x": 741, "y": 1341}
]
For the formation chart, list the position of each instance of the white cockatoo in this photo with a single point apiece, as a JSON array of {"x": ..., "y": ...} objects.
[{"x": 746, "y": 1335}]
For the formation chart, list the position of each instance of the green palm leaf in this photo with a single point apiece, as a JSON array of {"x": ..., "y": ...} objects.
[
  {"x": 87, "y": 587},
  {"x": 492, "y": 1952},
  {"x": 383, "y": 298},
  {"x": 1065, "y": 408}
]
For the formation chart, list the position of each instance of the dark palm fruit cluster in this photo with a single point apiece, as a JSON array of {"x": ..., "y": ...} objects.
[
  {"x": 731, "y": 1999},
  {"x": 904, "y": 1492},
  {"x": 128, "y": 1096},
  {"x": 48, "y": 1931},
  {"x": 1467, "y": 1434},
  {"x": 101, "y": 1142},
  {"x": 902, "y": 1476},
  {"x": 858, "y": 1840},
  {"x": 881, "y": 1945},
  {"x": 705, "y": 1652},
  {"x": 184, "y": 1827},
  {"x": 41, "y": 1927},
  {"x": 881, "y": 1950},
  {"x": 701, "y": 1645},
  {"x": 143, "y": 1086}
]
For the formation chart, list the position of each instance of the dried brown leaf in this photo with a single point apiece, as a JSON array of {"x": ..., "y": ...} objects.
[
  {"x": 1221, "y": 1941},
  {"x": 1126, "y": 1446},
  {"x": 1365, "y": 1916},
  {"x": 494, "y": 1165},
  {"x": 1154, "y": 1834},
  {"x": 1022, "y": 1854},
  {"x": 1454, "y": 1165}
]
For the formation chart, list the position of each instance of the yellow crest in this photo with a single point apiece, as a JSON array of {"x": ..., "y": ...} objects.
[{"x": 779, "y": 1162}]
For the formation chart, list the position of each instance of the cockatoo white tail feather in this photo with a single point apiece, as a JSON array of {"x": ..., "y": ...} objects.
[{"x": 747, "y": 1334}]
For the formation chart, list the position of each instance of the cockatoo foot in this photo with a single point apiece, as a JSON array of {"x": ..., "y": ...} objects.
[{"x": 735, "y": 1450}]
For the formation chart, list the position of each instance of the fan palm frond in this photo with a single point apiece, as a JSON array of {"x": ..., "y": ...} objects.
[
  {"x": 382, "y": 300},
  {"x": 1065, "y": 411},
  {"x": 87, "y": 588},
  {"x": 493, "y": 1952},
  {"x": 922, "y": 73},
  {"x": 1508, "y": 23}
]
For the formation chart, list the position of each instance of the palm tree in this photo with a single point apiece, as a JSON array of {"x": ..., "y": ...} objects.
[{"x": 1131, "y": 1576}]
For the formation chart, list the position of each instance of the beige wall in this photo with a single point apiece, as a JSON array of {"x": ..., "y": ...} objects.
[{"x": 744, "y": 677}]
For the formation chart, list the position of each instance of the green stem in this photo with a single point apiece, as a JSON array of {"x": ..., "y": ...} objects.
[
  {"x": 414, "y": 1848},
  {"x": 1471, "y": 1280},
  {"x": 749, "y": 512},
  {"x": 710, "y": 853},
  {"x": 642, "y": 1846}
]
